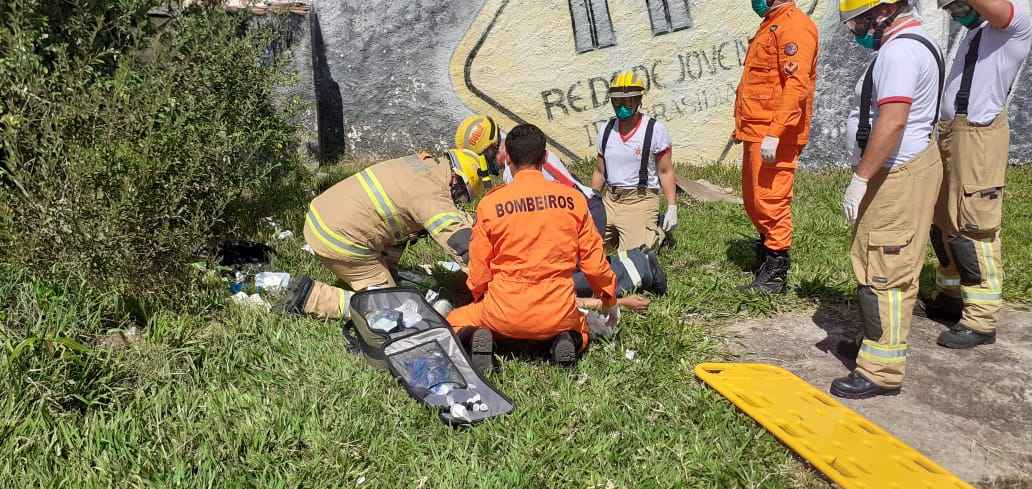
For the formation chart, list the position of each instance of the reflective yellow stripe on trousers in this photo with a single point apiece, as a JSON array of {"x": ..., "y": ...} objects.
[
  {"x": 383, "y": 204},
  {"x": 993, "y": 294},
  {"x": 333, "y": 240}
]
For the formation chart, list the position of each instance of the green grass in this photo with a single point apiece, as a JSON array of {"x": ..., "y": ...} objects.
[{"x": 228, "y": 397}]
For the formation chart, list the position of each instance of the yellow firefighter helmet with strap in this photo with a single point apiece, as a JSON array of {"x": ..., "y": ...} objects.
[
  {"x": 626, "y": 84},
  {"x": 473, "y": 170},
  {"x": 851, "y": 9},
  {"x": 477, "y": 133}
]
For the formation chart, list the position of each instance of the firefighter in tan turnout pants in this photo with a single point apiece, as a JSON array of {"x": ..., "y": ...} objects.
[
  {"x": 974, "y": 138},
  {"x": 357, "y": 227},
  {"x": 894, "y": 186}
]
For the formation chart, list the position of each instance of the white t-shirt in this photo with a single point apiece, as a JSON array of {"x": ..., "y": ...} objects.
[
  {"x": 999, "y": 58},
  {"x": 623, "y": 154},
  {"x": 554, "y": 171},
  {"x": 904, "y": 71}
]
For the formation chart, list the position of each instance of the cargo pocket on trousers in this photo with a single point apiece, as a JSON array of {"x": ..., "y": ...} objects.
[
  {"x": 981, "y": 208},
  {"x": 889, "y": 261}
]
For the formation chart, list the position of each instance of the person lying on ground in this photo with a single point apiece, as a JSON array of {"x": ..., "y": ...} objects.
[{"x": 528, "y": 239}]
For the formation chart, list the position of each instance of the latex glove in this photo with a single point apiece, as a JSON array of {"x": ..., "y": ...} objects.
[
  {"x": 670, "y": 219},
  {"x": 851, "y": 200},
  {"x": 769, "y": 148}
]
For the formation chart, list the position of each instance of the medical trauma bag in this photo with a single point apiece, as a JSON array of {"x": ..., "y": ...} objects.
[{"x": 398, "y": 330}]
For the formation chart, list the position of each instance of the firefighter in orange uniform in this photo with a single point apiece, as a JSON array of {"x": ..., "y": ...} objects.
[
  {"x": 773, "y": 106},
  {"x": 528, "y": 239}
]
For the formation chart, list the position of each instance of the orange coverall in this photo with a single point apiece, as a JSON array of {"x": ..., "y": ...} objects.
[
  {"x": 775, "y": 98},
  {"x": 528, "y": 239}
]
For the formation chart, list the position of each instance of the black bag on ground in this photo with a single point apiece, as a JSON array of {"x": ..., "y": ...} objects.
[
  {"x": 398, "y": 330},
  {"x": 635, "y": 270},
  {"x": 436, "y": 371}
]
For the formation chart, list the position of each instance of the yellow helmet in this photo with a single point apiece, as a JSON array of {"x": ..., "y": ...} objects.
[
  {"x": 477, "y": 133},
  {"x": 851, "y": 9},
  {"x": 473, "y": 169},
  {"x": 625, "y": 85}
]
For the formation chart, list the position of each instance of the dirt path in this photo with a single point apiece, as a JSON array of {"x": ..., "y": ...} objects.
[{"x": 971, "y": 411}]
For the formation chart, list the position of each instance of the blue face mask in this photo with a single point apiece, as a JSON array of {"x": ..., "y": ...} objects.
[
  {"x": 624, "y": 112},
  {"x": 761, "y": 7},
  {"x": 866, "y": 40}
]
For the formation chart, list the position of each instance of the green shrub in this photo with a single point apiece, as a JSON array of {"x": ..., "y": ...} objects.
[{"x": 124, "y": 170}]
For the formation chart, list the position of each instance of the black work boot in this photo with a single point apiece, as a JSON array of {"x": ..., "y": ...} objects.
[
  {"x": 772, "y": 277},
  {"x": 659, "y": 280},
  {"x": 856, "y": 386},
  {"x": 761, "y": 251},
  {"x": 564, "y": 348},
  {"x": 943, "y": 308},
  {"x": 481, "y": 351},
  {"x": 294, "y": 298},
  {"x": 962, "y": 338}
]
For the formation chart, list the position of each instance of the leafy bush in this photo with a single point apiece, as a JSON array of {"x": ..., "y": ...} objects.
[{"x": 122, "y": 167}]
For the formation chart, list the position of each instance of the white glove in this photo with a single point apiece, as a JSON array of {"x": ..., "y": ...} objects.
[
  {"x": 670, "y": 219},
  {"x": 769, "y": 148},
  {"x": 851, "y": 200}
]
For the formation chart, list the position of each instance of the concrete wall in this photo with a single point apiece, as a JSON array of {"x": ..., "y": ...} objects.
[{"x": 409, "y": 71}]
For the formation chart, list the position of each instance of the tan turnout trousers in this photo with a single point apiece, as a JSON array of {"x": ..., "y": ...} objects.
[
  {"x": 968, "y": 217},
  {"x": 632, "y": 218},
  {"x": 357, "y": 226},
  {"x": 888, "y": 252}
]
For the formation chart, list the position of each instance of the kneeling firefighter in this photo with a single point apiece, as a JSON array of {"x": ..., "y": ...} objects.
[
  {"x": 480, "y": 134},
  {"x": 358, "y": 227},
  {"x": 528, "y": 239}
]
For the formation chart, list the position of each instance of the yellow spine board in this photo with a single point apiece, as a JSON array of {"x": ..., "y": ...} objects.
[{"x": 851, "y": 450}]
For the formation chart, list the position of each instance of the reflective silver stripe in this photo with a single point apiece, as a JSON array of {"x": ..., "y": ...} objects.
[
  {"x": 333, "y": 240},
  {"x": 974, "y": 294},
  {"x": 380, "y": 200},
  {"x": 878, "y": 352},
  {"x": 439, "y": 221},
  {"x": 632, "y": 271}
]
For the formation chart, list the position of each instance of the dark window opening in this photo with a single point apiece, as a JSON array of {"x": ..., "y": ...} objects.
[
  {"x": 592, "y": 26},
  {"x": 669, "y": 15}
]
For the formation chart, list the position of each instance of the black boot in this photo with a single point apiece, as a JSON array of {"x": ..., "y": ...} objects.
[
  {"x": 294, "y": 298},
  {"x": 565, "y": 347},
  {"x": 856, "y": 386},
  {"x": 963, "y": 338},
  {"x": 772, "y": 277},
  {"x": 943, "y": 308},
  {"x": 481, "y": 351},
  {"x": 659, "y": 279},
  {"x": 761, "y": 251}
]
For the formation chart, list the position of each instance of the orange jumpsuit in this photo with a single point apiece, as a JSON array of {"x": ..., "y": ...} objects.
[
  {"x": 775, "y": 98},
  {"x": 528, "y": 239}
]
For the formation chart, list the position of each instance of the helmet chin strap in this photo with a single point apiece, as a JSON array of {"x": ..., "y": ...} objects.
[{"x": 879, "y": 29}]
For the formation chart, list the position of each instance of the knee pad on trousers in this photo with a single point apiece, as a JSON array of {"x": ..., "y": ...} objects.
[
  {"x": 939, "y": 246},
  {"x": 869, "y": 312},
  {"x": 966, "y": 256}
]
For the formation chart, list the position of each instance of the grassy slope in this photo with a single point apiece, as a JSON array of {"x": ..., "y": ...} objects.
[{"x": 250, "y": 399}]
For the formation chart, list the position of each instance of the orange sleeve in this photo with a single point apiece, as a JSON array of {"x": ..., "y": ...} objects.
[
  {"x": 593, "y": 258},
  {"x": 480, "y": 254},
  {"x": 797, "y": 62}
]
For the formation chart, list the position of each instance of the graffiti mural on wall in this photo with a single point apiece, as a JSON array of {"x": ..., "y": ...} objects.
[{"x": 549, "y": 62}]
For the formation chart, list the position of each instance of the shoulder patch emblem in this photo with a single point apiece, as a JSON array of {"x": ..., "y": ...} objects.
[{"x": 791, "y": 48}]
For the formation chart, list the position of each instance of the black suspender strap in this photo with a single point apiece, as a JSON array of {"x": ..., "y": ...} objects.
[
  {"x": 863, "y": 131},
  {"x": 964, "y": 94},
  {"x": 942, "y": 69},
  {"x": 646, "y": 153},
  {"x": 605, "y": 143}
]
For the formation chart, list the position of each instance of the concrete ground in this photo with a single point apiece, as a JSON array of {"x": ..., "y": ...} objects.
[{"x": 970, "y": 411}]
